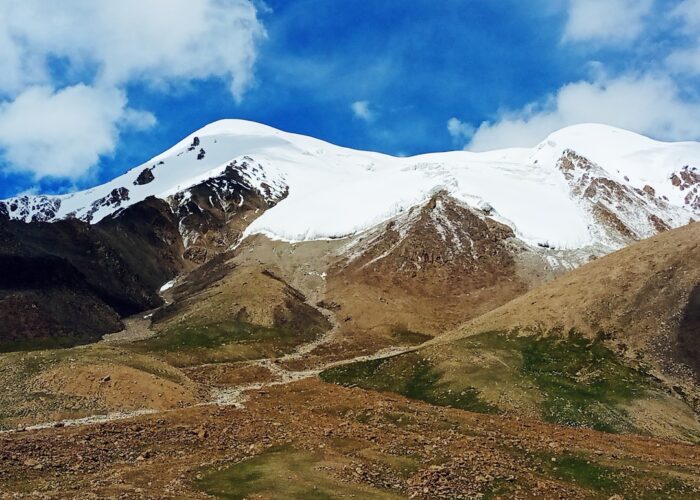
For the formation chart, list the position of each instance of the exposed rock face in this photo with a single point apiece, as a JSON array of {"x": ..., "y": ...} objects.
[
  {"x": 45, "y": 300},
  {"x": 144, "y": 177},
  {"x": 443, "y": 241},
  {"x": 146, "y": 238},
  {"x": 71, "y": 279},
  {"x": 96, "y": 273},
  {"x": 113, "y": 199},
  {"x": 212, "y": 215},
  {"x": 624, "y": 214},
  {"x": 31, "y": 208},
  {"x": 195, "y": 143},
  {"x": 429, "y": 269},
  {"x": 688, "y": 180}
]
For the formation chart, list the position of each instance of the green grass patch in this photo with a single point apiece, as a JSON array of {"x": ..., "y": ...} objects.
[
  {"x": 232, "y": 340},
  {"x": 44, "y": 343},
  {"x": 606, "y": 480},
  {"x": 671, "y": 488},
  {"x": 217, "y": 334},
  {"x": 410, "y": 375},
  {"x": 583, "y": 382},
  {"x": 567, "y": 378},
  {"x": 585, "y": 473},
  {"x": 283, "y": 473}
]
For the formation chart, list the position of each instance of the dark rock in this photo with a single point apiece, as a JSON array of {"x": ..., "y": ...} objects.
[
  {"x": 68, "y": 282},
  {"x": 195, "y": 143},
  {"x": 144, "y": 177}
]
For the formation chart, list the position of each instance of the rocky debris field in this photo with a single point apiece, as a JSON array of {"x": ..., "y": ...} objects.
[{"x": 385, "y": 445}]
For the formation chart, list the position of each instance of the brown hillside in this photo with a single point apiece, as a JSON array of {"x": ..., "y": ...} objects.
[{"x": 645, "y": 297}]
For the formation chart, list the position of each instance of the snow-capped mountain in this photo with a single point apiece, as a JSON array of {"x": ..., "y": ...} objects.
[{"x": 584, "y": 185}]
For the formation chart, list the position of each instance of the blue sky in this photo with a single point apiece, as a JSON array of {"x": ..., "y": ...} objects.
[{"x": 93, "y": 88}]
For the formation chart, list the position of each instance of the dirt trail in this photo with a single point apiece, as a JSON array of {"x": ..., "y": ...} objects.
[
  {"x": 235, "y": 395},
  {"x": 137, "y": 328}
]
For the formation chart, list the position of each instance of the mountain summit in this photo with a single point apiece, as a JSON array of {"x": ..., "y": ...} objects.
[{"x": 587, "y": 185}]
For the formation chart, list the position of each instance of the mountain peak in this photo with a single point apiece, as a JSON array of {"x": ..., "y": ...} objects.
[{"x": 335, "y": 192}]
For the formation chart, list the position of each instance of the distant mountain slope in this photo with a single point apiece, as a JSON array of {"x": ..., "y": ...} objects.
[
  {"x": 613, "y": 345},
  {"x": 72, "y": 280},
  {"x": 69, "y": 282},
  {"x": 456, "y": 227},
  {"x": 645, "y": 296},
  {"x": 586, "y": 185}
]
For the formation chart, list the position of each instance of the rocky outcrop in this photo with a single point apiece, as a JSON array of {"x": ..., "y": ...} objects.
[
  {"x": 687, "y": 180},
  {"x": 71, "y": 281},
  {"x": 213, "y": 214},
  {"x": 144, "y": 177},
  {"x": 113, "y": 200},
  {"x": 427, "y": 270},
  {"x": 31, "y": 208},
  {"x": 443, "y": 242},
  {"x": 622, "y": 214}
]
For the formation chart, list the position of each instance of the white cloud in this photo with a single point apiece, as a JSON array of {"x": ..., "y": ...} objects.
[
  {"x": 689, "y": 12},
  {"x": 158, "y": 41},
  {"x": 649, "y": 101},
  {"x": 137, "y": 119},
  {"x": 649, "y": 104},
  {"x": 63, "y": 134},
  {"x": 459, "y": 130},
  {"x": 606, "y": 21},
  {"x": 686, "y": 59},
  {"x": 362, "y": 110},
  {"x": 66, "y": 65}
]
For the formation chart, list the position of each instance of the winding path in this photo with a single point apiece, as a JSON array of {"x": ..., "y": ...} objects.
[{"x": 235, "y": 395}]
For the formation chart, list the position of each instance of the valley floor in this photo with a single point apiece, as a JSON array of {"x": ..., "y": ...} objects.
[
  {"x": 273, "y": 429},
  {"x": 309, "y": 439},
  {"x": 293, "y": 378}
]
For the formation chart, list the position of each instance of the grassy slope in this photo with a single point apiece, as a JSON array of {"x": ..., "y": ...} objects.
[
  {"x": 637, "y": 295},
  {"x": 285, "y": 473},
  {"x": 563, "y": 379},
  {"x": 225, "y": 341}
]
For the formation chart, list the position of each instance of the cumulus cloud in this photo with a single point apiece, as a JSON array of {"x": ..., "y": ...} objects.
[
  {"x": 77, "y": 57},
  {"x": 362, "y": 110},
  {"x": 689, "y": 12},
  {"x": 649, "y": 104},
  {"x": 62, "y": 134},
  {"x": 149, "y": 40},
  {"x": 649, "y": 101},
  {"x": 606, "y": 21},
  {"x": 459, "y": 130},
  {"x": 686, "y": 59}
]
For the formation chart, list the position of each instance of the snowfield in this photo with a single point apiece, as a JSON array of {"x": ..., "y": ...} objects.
[{"x": 335, "y": 191}]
